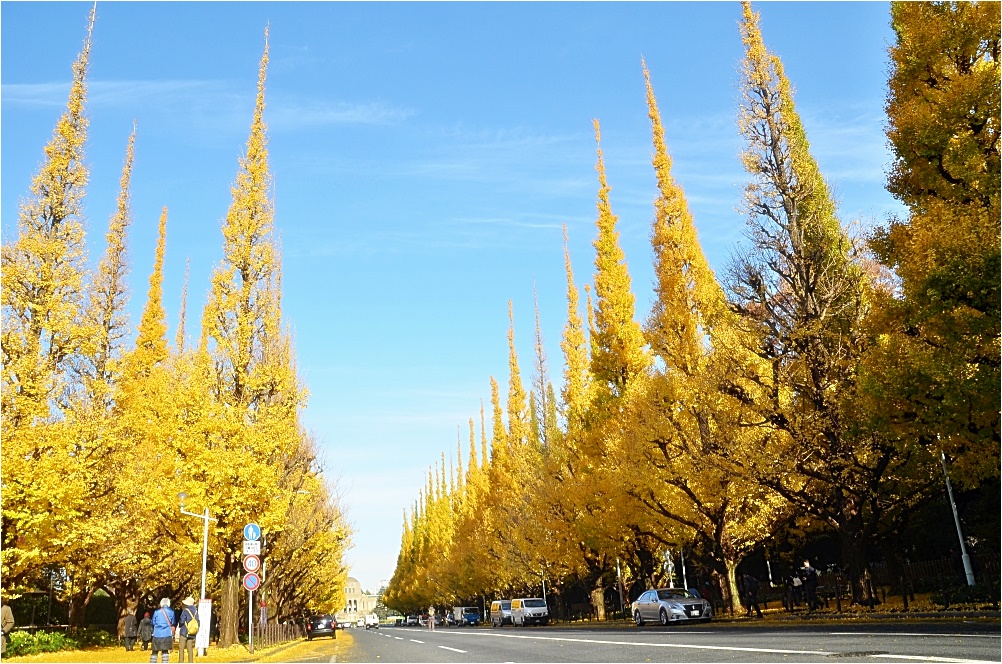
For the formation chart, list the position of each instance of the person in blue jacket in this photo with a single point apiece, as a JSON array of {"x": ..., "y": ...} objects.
[{"x": 163, "y": 632}]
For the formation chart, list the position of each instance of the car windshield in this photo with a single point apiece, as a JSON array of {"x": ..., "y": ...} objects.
[
  {"x": 471, "y": 612},
  {"x": 674, "y": 593},
  {"x": 534, "y": 603},
  {"x": 506, "y": 606}
]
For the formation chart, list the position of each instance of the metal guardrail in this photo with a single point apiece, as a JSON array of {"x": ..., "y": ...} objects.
[{"x": 272, "y": 633}]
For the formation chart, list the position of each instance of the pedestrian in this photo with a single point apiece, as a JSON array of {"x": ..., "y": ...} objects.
[
  {"x": 751, "y": 595},
  {"x": 431, "y": 618},
  {"x": 6, "y": 623},
  {"x": 707, "y": 593},
  {"x": 163, "y": 632},
  {"x": 145, "y": 630},
  {"x": 809, "y": 576},
  {"x": 798, "y": 589},
  {"x": 130, "y": 630},
  {"x": 186, "y": 641}
]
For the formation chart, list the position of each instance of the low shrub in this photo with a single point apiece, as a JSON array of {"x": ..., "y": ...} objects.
[
  {"x": 24, "y": 643},
  {"x": 92, "y": 636},
  {"x": 980, "y": 596}
]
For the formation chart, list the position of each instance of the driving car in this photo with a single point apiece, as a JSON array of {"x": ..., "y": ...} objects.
[
  {"x": 321, "y": 625},
  {"x": 670, "y": 605}
]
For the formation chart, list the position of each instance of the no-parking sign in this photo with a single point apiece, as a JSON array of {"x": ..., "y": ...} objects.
[{"x": 252, "y": 581}]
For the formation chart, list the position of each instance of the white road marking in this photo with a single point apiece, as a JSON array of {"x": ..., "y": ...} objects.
[
  {"x": 928, "y": 658},
  {"x": 399, "y": 638},
  {"x": 416, "y": 641},
  {"x": 778, "y": 651},
  {"x": 964, "y": 636},
  {"x": 452, "y": 649}
]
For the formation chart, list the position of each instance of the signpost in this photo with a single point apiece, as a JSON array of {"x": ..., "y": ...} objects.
[
  {"x": 205, "y": 619},
  {"x": 252, "y": 549}
]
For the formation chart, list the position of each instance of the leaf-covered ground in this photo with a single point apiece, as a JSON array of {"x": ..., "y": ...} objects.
[{"x": 276, "y": 653}]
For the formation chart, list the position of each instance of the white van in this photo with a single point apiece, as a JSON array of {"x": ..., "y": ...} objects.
[
  {"x": 529, "y": 611},
  {"x": 371, "y": 621},
  {"x": 500, "y": 612}
]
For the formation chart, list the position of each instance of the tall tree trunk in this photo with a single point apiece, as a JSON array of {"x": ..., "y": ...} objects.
[
  {"x": 853, "y": 548},
  {"x": 78, "y": 606},
  {"x": 229, "y": 610},
  {"x": 734, "y": 598},
  {"x": 126, "y": 594},
  {"x": 597, "y": 597}
]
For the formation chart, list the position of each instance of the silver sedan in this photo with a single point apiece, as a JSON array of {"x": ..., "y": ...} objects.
[{"x": 669, "y": 605}]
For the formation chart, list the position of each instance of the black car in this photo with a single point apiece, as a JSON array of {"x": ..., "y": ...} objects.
[{"x": 322, "y": 625}]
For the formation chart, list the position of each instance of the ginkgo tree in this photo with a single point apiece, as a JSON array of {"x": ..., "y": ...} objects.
[
  {"x": 101, "y": 433},
  {"x": 802, "y": 390}
]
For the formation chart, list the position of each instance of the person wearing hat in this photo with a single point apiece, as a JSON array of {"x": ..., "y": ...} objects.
[
  {"x": 187, "y": 641},
  {"x": 163, "y": 632},
  {"x": 146, "y": 630}
]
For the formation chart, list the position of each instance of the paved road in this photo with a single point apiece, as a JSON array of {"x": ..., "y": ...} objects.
[{"x": 871, "y": 642}]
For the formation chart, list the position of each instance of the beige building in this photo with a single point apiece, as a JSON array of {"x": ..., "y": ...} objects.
[{"x": 357, "y": 603}]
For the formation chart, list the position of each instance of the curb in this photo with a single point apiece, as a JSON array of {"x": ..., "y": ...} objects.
[
  {"x": 282, "y": 647},
  {"x": 834, "y": 618}
]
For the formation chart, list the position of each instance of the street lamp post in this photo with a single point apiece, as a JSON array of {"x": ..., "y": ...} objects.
[
  {"x": 205, "y": 543},
  {"x": 966, "y": 559}
]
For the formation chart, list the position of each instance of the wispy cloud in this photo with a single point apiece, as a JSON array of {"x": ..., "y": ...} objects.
[
  {"x": 225, "y": 99},
  {"x": 294, "y": 114},
  {"x": 107, "y": 93}
]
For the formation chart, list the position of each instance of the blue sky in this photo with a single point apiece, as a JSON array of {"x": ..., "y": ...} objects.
[{"x": 425, "y": 156}]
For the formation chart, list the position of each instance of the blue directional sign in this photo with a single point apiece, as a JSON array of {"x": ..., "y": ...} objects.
[{"x": 252, "y": 531}]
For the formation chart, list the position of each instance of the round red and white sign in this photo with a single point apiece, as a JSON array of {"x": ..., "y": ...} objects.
[{"x": 252, "y": 563}]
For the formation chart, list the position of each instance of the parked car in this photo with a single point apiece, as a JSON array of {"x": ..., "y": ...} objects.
[
  {"x": 465, "y": 615},
  {"x": 371, "y": 621},
  {"x": 669, "y": 605},
  {"x": 500, "y": 612},
  {"x": 412, "y": 620},
  {"x": 529, "y": 611},
  {"x": 321, "y": 625}
]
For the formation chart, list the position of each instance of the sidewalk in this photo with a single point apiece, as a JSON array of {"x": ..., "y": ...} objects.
[{"x": 116, "y": 654}]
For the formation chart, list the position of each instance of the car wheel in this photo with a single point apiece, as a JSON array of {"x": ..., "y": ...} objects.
[
  {"x": 637, "y": 619},
  {"x": 309, "y": 638},
  {"x": 664, "y": 618}
]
